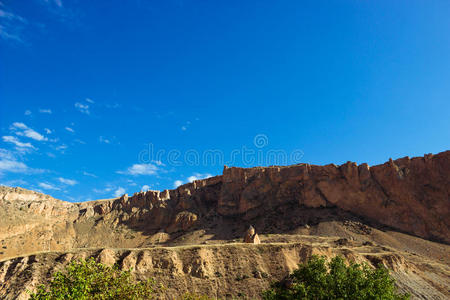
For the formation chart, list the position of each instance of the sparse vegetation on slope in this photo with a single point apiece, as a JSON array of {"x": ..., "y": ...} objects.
[
  {"x": 319, "y": 279},
  {"x": 316, "y": 279},
  {"x": 87, "y": 279}
]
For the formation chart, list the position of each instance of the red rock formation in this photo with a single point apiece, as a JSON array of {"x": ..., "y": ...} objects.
[{"x": 411, "y": 195}]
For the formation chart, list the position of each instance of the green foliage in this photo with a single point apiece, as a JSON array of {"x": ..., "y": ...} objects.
[
  {"x": 319, "y": 279},
  {"x": 86, "y": 279}
]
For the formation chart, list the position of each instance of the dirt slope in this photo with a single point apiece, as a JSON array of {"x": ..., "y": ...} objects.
[{"x": 231, "y": 270}]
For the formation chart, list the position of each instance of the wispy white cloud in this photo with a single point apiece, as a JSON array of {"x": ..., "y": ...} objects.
[
  {"x": 19, "y": 125},
  {"x": 145, "y": 188},
  {"x": 10, "y": 16},
  {"x": 15, "y": 141},
  {"x": 27, "y": 112},
  {"x": 186, "y": 125},
  {"x": 48, "y": 186},
  {"x": 83, "y": 108},
  {"x": 141, "y": 169},
  {"x": 10, "y": 164},
  {"x": 70, "y": 129},
  {"x": 198, "y": 176},
  {"x": 66, "y": 14},
  {"x": 102, "y": 191},
  {"x": 193, "y": 177},
  {"x": 104, "y": 140},
  {"x": 90, "y": 100},
  {"x": 57, "y": 3},
  {"x": 89, "y": 174},
  {"x": 11, "y": 26},
  {"x": 49, "y": 154},
  {"x": 47, "y": 131},
  {"x": 15, "y": 182},
  {"x": 79, "y": 141},
  {"x": 61, "y": 147},
  {"x": 23, "y": 130},
  {"x": 119, "y": 192},
  {"x": 45, "y": 111},
  {"x": 32, "y": 135},
  {"x": 67, "y": 181},
  {"x": 158, "y": 163},
  {"x": 177, "y": 183},
  {"x": 6, "y": 154}
]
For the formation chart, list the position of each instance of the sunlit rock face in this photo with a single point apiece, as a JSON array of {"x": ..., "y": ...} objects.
[{"x": 410, "y": 195}]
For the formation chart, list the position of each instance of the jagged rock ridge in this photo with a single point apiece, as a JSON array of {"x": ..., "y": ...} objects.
[
  {"x": 411, "y": 195},
  {"x": 364, "y": 213}
]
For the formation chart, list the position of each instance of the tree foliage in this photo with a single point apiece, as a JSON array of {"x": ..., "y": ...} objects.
[
  {"x": 319, "y": 279},
  {"x": 87, "y": 279}
]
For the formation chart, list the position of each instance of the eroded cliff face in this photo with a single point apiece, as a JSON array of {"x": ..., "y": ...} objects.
[
  {"x": 228, "y": 271},
  {"x": 408, "y": 195},
  {"x": 411, "y": 195}
]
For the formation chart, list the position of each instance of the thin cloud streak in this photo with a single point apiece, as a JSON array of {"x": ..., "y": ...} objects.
[
  {"x": 11, "y": 26},
  {"x": 67, "y": 181},
  {"x": 48, "y": 186},
  {"x": 15, "y": 141},
  {"x": 119, "y": 192},
  {"x": 23, "y": 130},
  {"x": 141, "y": 169},
  {"x": 83, "y": 108},
  {"x": 193, "y": 177},
  {"x": 10, "y": 164},
  {"x": 89, "y": 174}
]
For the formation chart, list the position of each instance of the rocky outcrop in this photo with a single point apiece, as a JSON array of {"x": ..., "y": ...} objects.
[
  {"x": 408, "y": 195},
  {"x": 33, "y": 202},
  {"x": 251, "y": 237},
  {"x": 411, "y": 195}
]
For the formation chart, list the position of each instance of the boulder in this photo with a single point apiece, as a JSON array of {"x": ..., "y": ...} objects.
[{"x": 251, "y": 236}]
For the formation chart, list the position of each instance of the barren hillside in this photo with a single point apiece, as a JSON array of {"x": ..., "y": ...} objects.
[{"x": 190, "y": 238}]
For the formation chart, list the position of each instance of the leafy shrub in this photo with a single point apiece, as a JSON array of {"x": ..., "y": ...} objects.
[
  {"x": 86, "y": 279},
  {"x": 319, "y": 279}
]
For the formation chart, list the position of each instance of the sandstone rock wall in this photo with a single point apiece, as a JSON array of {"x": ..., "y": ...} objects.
[{"x": 410, "y": 195}]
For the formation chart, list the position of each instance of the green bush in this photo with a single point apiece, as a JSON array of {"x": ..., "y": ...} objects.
[
  {"x": 319, "y": 279},
  {"x": 86, "y": 279}
]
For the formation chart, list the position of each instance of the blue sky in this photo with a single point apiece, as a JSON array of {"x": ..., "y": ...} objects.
[{"x": 99, "y": 98}]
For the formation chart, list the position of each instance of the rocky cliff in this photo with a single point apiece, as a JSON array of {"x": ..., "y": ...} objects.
[
  {"x": 410, "y": 195},
  {"x": 395, "y": 213}
]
